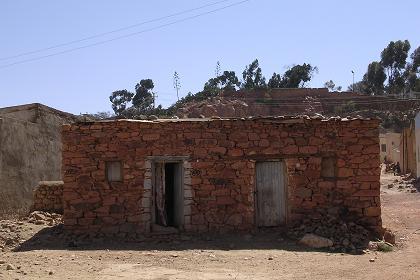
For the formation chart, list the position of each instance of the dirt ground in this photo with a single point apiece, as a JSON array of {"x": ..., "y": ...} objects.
[{"x": 265, "y": 256}]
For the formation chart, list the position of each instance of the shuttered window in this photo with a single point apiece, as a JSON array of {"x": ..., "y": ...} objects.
[
  {"x": 328, "y": 167},
  {"x": 383, "y": 148},
  {"x": 114, "y": 171}
]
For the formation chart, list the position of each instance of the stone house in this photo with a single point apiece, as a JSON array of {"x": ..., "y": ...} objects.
[
  {"x": 131, "y": 177},
  {"x": 30, "y": 151}
]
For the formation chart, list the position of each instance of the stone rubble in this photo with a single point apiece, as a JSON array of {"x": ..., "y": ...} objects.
[
  {"x": 44, "y": 218},
  {"x": 13, "y": 232},
  {"x": 345, "y": 236}
]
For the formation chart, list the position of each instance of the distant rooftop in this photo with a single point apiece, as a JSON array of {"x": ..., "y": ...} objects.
[{"x": 34, "y": 106}]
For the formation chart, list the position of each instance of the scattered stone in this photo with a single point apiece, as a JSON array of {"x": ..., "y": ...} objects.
[
  {"x": 345, "y": 236},
  {"x": 2, "y": 262},
  {"x": 372, "y": 260},
  {"x": 315, "y": 241},
  {"x": 389, "y": 236},
  {"x": 373, "y": 246},
  {"x": 270, "y": 258},
  {"x": 10, "y": 267},
  {"x": 50, "y": 273}
]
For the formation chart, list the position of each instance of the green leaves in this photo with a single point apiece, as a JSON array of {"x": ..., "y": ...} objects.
[
  {"x": 252, "y": 76},
  {"x": 120, "y": 100}
]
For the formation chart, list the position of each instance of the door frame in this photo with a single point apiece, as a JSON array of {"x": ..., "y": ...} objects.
[
  {"x": 286, "y": 191},
  {"x": 164, "y": 160}
]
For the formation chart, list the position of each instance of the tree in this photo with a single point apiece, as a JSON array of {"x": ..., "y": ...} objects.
[
  {"x": 275, "y": 81},
  {"x": 120, "y": 100},
  {"x": 412, "y": 72},
  {"x": 358, "y": 87},
  {"x": 374, "y": 78},
  {"x": 144, "y": 98},
  {"x": 330, "y": 85},
  {"x": 394, "y": 59},
  {"x": 177, "y": 84},
  {"x": 297, "y": 76},
  {"x": 252, "y": 76},
  {"x": 227, "y": 81}
]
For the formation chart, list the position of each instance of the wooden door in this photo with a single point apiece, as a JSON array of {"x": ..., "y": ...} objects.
[{"x": 271, "y": 194}]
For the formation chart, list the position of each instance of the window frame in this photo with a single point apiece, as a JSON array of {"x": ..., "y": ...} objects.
[
  {"x": 108, "y": 166},
  {"x": 334, "y": 167}
]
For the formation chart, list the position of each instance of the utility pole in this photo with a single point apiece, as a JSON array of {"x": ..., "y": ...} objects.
[{"x": 353, "y": 80}]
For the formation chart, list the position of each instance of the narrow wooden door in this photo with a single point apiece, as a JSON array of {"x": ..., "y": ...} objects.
[{"x": 271, "y": 195}]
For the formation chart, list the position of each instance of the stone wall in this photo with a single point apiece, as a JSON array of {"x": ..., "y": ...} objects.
[
  {"x": 220, "y": 156},
  {"x": 48, "y": 197}
]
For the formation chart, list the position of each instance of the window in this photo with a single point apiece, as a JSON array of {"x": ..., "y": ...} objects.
[
  {"x": 328, "y": 167},
  {"x": 383, "y": 148},
  {"x": 113, "y": 171}
]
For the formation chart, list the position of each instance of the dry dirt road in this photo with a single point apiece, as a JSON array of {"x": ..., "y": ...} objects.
[{"x": 262, "y": 257}]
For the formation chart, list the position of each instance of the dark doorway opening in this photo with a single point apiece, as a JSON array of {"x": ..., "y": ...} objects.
[
  {"x": 170, "y": 193},
  {"x": 169, "y": 200}
]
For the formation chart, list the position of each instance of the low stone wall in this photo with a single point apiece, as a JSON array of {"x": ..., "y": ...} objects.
[{"x": 48, "y": 197}]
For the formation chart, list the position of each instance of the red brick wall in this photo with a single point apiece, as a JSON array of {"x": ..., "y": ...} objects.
[{"x": 220, "y": 156}]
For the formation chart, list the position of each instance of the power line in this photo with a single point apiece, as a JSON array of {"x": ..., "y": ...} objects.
[
  {"x": 124, "y": 36},
  {"x": 112, "y": 31}
]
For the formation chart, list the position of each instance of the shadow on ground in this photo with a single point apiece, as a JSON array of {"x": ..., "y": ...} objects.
[{"x": 54, "y": 238}]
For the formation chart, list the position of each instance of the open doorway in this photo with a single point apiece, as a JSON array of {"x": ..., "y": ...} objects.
[{"x": 168, "y": 194}]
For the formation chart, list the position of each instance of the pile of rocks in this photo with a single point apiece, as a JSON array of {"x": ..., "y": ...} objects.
[
  {"x": 405, "y": 183},
  {"x": 44, "y": 218},
  {"x": 10, "y": 234},
  {"x": 344, "y": 236}
]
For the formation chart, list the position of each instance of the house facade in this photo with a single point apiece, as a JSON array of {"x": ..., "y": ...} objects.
[{"x": 218, "y": 175}]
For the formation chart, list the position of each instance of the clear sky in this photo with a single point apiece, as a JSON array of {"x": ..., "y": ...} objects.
[{"x": 336, "y": 36}]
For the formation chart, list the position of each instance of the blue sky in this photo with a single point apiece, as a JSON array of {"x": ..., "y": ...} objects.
[{"x": 335, "y": 36}]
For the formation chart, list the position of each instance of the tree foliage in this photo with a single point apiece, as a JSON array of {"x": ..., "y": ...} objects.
[
  {"x": 143, "y": 99},
  {"x": 120, "y": 101},
  {"x": 394, "y": 59},
  {"x": 252, "y": 76},
  {"x": 295, "y": 77},
  {"x": 330, "y": 85},
  {"x": 374, "y": 79},
  {"x": 275, "y": 81},
  {"x": 396, "y": 73},
  {"x": 226, "y": 81}
]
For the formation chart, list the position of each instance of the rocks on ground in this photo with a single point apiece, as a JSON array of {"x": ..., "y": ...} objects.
[
  {"x": 344, "y": 236},
  {"x": 405, "y": 183},
  {"x": 44, "y": 218},
  {"x": 15, "y": 232},
  {"x": 315, "y": 241}
]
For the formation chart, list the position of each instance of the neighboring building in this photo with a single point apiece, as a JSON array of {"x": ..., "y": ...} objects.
[
  {"x": 403, "y": 147},
  {"x": 218, "y": 175},
  {"x": 30, "y": 151},
  {"x": 391, "y": 147}
]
